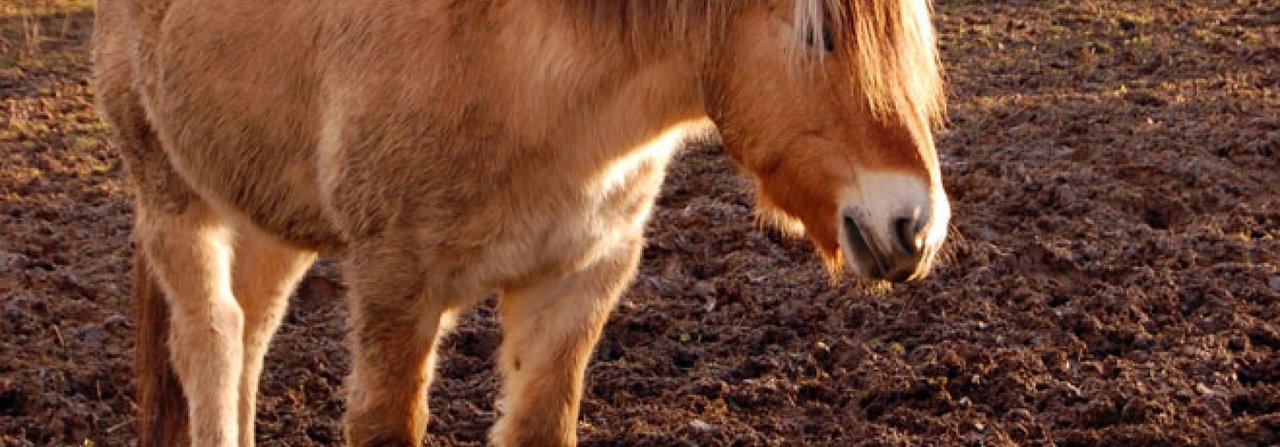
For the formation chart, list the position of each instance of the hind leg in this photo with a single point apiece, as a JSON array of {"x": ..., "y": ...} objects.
[
  {"x": 190, "y": 255},
  {"x": 549, "y": 330},
  {"x": 263, "y": 274}
]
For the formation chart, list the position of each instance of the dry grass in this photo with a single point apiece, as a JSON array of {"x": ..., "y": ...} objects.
[{"x": 27, "y": 26}]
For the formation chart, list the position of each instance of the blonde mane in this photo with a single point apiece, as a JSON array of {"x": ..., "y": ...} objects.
[
  {"x": 895, "y": 54},
  {"x": 891, "y": 42}
]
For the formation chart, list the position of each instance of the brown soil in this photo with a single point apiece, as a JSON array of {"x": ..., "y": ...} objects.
[{"x": 1113, "y": 276}]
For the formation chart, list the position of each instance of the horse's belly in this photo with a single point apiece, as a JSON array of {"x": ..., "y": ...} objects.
[
  {"x": 274, "y": 192},
  {"x": 261, "y": 176}
]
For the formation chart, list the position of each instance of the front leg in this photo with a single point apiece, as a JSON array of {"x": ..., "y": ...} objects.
[
  {"x": 395, "y": 322},
  {"x": 550, "y": 327}
]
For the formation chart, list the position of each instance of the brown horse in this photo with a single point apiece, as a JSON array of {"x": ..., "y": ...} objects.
[{"x": 446, "y": 149}]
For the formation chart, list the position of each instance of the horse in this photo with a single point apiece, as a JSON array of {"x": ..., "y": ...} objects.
[{"x": 446, "y": 150}]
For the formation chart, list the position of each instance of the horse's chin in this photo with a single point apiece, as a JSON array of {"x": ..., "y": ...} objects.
[
  {"x": 830, "y": 252},
  {"x": 834, "y": 261},
  {"x": 841, "y": 267}
]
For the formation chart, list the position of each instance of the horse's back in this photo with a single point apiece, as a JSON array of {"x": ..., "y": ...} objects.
[{"x": 226, "y": 92}]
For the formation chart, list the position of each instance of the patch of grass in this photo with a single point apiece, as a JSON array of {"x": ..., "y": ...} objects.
[
  {"x": 84, "y": 142},
  {"x": 45, "y": 8},
  {"x": 1140, "y": 42},
  {"x": 27, "y": 25},
  {"x": 25, "y": 61}
]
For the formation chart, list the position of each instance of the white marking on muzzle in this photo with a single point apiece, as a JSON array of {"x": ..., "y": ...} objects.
[{"x": 879, "y": 199}]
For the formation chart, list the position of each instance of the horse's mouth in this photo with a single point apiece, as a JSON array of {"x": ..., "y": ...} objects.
[
  {"x": 861, "y": 251},
  {"x": 876, "y": 264}
]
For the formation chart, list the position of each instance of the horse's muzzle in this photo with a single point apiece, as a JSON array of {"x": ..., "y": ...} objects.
[{"x": 900, "y": 254}]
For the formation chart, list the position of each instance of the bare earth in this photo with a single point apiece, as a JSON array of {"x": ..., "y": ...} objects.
[{"x": 1113, "y": 276}]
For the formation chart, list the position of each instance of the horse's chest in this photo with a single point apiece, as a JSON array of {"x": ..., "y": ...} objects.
[{"x": 588, "y": 217}]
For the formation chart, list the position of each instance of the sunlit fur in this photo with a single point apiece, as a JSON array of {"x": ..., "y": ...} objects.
[
  {"x": 447, "y": 150},
  {"x": 889, "y": 47}
]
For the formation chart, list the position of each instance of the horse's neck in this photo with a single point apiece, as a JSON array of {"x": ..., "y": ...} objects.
[{"x": 585, "y": 90}]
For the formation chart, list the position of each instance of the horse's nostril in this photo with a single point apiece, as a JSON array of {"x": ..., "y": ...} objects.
[{"x": 910, "y": 234}]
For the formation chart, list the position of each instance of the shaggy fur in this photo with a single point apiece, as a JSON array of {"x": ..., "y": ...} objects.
[{"x": 444, "y": 150}]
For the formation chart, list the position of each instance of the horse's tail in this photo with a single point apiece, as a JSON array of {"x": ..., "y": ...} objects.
[{"x": 162, "y": 410}]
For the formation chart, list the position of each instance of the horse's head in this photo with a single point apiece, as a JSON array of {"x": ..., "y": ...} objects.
[{"x": 829, "y": 105}]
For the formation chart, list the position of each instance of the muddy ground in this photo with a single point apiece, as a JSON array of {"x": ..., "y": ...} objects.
[{"x": 1113, "y": 276}]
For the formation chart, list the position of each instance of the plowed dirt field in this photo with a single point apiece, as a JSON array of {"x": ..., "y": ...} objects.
[{"x": 1112, "y": 278}]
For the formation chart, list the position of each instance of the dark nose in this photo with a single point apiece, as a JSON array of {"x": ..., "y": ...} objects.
[
  {"x": 910, "y": 232},
  {"x": 899, "y": 254}
]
